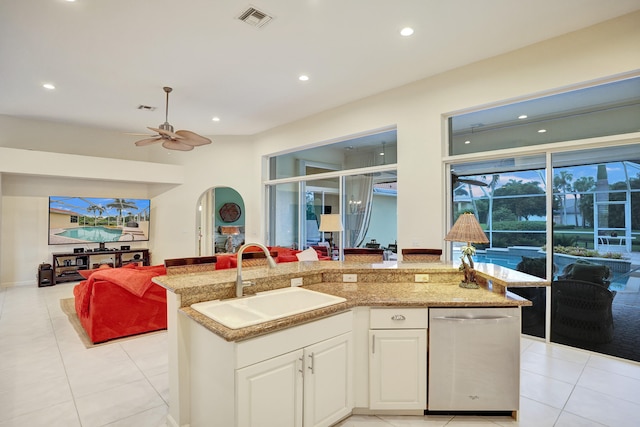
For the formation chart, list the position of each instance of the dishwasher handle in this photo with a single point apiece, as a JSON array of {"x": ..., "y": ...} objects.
[{"x": 482, "y": 319}]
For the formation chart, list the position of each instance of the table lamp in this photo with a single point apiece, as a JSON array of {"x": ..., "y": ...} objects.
[
  {"x": 330, "y": 223},
  {"x": 229, "y": 231},
  {"x": 467, "y": 229}
]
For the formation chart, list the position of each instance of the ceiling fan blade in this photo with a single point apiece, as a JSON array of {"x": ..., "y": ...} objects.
[
  {"x": 176, "y": 145},
  {"x": 192, "y": 138},
  {"x": 166, "y": 133},
  {"x": 148, "y": 141},
  {"x": 473, "y": 182}
]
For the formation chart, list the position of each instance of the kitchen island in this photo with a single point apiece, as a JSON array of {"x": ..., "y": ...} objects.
[{"x": 198, "y": 343}]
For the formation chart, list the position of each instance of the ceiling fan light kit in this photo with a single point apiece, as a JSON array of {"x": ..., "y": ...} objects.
[{"x": 181, "y": 140}]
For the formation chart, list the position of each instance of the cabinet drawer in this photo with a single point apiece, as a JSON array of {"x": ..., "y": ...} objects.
[{"x": 399, "y": 318}]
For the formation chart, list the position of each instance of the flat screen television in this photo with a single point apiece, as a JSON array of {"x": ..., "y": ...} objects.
[{"x": 82, "y": 220}]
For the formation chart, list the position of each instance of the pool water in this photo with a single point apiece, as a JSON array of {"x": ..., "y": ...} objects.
[
  {"x": 511, "y": 261},
  {"x": 92, "y": 234}
]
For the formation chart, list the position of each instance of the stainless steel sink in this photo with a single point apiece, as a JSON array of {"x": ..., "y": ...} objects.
[{"x": 265, "y": 306}]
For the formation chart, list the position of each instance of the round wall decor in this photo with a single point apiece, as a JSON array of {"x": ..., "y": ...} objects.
[{"x": 230, "y": 212}]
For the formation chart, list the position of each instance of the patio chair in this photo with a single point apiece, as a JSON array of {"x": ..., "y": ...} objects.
[
  {"x": 534, "y": 315},
  {"x": 581, "y": 311}
]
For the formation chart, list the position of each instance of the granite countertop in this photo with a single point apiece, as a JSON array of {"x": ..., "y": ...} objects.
[
  {"x": 369, "y": 294},
  {"x": 185, "y": 284},
  {"x": 389, "y": 284}
]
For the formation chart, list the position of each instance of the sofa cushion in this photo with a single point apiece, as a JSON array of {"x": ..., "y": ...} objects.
[
  {"x": 223, "y": 262},
  {"x": 587, "y": 272}
]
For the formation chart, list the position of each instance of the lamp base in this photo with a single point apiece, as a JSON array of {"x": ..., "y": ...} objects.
[{"x": 469, "y": 285}]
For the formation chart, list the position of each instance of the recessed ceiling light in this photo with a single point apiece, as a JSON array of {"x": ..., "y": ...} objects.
[
  {"x": 303, "y": 78},
  {"x": 542, "y": 130},
  {"x": 467, "y": 142},
  {"x": 216, "y": 119},
  {"x": 406, "y": 31},
  {"x": 522, "y": 116},
  {"x": 49, "y": 86}
]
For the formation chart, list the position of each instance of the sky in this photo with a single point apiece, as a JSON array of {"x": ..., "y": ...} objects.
[{"x": 79, "y": 205}]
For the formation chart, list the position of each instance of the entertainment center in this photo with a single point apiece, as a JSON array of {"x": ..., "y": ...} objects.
[{"x": 67, "y": 264}]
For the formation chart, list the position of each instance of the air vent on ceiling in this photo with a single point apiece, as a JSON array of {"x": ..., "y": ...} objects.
[
  {"x": 146, "y": 107},
  {"x": 255, "y": 17}
]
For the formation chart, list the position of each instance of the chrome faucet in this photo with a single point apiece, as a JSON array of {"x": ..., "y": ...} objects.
[{"x": 240, "y": 284}]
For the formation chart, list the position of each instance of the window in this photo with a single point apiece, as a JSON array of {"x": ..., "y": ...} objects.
[
  {"x": 606, "y": 109},
  {"x": 571, "y": 211},
  {"x": 355, "y": 178}
]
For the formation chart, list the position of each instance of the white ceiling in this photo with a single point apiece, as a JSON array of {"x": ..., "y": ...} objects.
[{"x": 106, "y": 57}]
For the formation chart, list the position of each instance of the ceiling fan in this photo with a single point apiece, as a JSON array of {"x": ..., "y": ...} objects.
[
  {"x": 183, "y": 140},
  {"x": 455, "y": 179}
]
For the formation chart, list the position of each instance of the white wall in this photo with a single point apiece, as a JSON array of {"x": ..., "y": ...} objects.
[
  {"x": 228, "y": 162},
  {"x": 595, "y": 53}
]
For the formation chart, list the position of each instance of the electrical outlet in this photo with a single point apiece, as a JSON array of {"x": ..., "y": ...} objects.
[
  {"x": 297, "y": 281},
  {"x": 350, "y": 278},
  {"x": 422, "y": 278}
]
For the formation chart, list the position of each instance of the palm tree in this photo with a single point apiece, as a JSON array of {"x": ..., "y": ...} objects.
[
  {"x": 562, "y": 183},
  {"x": 97, "y": 210},
  {"x": 120, "y": 205},
  {"x": 582, "y": 185}
]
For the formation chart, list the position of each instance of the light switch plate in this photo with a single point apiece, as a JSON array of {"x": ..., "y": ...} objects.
[
  {"x": 349, "y": 278},
  {"x": 421, "y": 277},
  {"x": 297, "y": 281}
]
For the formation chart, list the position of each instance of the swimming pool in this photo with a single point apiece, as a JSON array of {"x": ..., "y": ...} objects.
[
  {"x": 511, "y": 257},
  {"x": 92, "y": 234}
]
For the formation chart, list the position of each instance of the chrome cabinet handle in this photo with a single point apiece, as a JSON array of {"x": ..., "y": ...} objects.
[
  {"x": 398, "y": 317},
  {"x": 312, "y": 357},
  {"x": 301, "y": 364},
  {"x": 373, "y": 345}
]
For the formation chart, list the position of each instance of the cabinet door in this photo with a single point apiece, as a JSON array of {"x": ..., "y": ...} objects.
[
  {"x": 269, "y": 393},
  {"x": 328, "y": 388},
  {"x": 398, "y": 369}
]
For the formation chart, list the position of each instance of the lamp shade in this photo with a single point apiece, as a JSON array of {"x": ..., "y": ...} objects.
[
  {"x": 330, "y": 222},
  {"x": 230, "y": 230},
  {"x": 467, "y": 229}
]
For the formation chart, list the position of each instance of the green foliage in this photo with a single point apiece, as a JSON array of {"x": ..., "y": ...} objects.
[
  {"x": 522, "y": 207},
  {"x": 583, "y": 252},
  {"x": 564, "y": 240},
  {"x": 520, "y": 225},
  {"x": 503, "y": 214}
]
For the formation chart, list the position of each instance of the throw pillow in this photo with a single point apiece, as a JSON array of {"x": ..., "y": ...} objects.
[{"x": 307, "y": 255}]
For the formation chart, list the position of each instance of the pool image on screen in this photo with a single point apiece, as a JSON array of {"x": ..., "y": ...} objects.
[{"x": 75, "y": 220}]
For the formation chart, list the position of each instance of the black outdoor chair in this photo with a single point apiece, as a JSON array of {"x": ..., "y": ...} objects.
[
  {"x": 533, "y": 317},
  {"x": 581, "y": 311}
]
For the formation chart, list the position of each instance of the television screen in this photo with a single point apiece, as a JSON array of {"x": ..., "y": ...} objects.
[{"x": 76, "y": 220}]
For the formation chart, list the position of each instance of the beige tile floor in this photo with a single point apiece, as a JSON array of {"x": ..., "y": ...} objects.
[{"x": 48, "y": 378}]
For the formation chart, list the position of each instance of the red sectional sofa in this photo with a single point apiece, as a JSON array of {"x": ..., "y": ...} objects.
[
  {"x": 118, "y": 302},
  {"x": 279, "y": 253}
]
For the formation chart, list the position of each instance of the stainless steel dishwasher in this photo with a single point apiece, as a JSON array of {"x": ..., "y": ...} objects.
[{"x": 474, "y": 359}]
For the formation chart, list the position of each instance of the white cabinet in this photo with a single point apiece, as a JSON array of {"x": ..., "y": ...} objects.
[
  {"x": 328, "y": 385},
  {"x": 297, "y": 377},
  {"x": 270, "y": 392},
  {"x": 310, "y": 387},
  {"x": 398, "y": 359}
]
